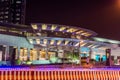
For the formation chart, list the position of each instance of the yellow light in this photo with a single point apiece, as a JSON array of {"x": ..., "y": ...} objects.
[
  {"x": 66, "y": 42},
  {"x": 59, "y": 42},
  {"x": 71, "y": 30},
  {"x": 88, "y": 34},
  {"x": 62, "y": 28},
  {"x": 44, "y": 27},
  {"x": 81, "y": 41},
  {"x": 34, "y": 26},
  {"x": 79, "y": 32},
  {"x": 78, "y": 37},
  {"x": 53, "y": 27},
  {"x": 83, "y": 44},
  {"x": 83, "y": 33}
]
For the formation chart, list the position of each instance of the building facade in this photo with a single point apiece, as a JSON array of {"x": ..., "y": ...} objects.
[{"x": 51, "y": 44}]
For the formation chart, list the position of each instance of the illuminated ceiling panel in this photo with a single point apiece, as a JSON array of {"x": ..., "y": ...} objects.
[
  {"x": 88, "y": 34},
  {"x": 71, "y": 30},
  {"x": 44, "y": 26},
  {"x": 34, "y": 26},
  {"x": 62, "y": 28},
  {"x": 66, "y": 42},
  {"x": 45, "y": 41},
  {"x": 90, "y": 45},
  {"x": 38, "y": 41},
  {"x": 77, "y": 44},
  {"x": 59, "y": 42},
  {"x": 53, "y": 27},
  {"x": 83, "y": 44},
  {"x": 84, "y": 33},
  {"x": 52, "y": 42},
  {"x": 79, "y": 32},
  {"x": 31, "y": 41}
]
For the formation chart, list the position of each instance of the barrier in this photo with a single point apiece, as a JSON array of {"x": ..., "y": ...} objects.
[{"x": 62, "y": 74}]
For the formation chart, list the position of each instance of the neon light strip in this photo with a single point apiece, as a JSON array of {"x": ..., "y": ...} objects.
[{"x": 62, "y": 75}]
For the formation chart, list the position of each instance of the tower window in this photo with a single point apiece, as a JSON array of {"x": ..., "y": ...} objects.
[
  {"x": 6, "y": 12},
  {"x": 6, "y": 16},
  {"x": 17, "y": 14},
  {"x": 18, "y": 2},
  {"x": 17, "y": 18}
]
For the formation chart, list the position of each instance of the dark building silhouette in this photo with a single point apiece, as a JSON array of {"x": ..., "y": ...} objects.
[{"x": 12, "y": 11}]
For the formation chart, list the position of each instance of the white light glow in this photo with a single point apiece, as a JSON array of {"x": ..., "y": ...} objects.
[
  {"x": 38, "y": 41},
  {"x": 59, "y": 42},
  {"x": 52, "y": 42},
  {"x": 45, "y": 41},
  {"x": 31, "y": 41},
  {"x": 77, "y": 44}
]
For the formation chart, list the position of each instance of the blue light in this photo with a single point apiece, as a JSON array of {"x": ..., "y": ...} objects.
[
  {"x": 84, "y": 49},
  {"x": 97, "y": 57},
  {"x": 104, "y": 58}
]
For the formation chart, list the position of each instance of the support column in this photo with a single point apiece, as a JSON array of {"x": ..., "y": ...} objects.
[
  {"x": 108, "y": 57},
  {"x": 79, "y": 53},
  {"x": 90, "y": 53}
]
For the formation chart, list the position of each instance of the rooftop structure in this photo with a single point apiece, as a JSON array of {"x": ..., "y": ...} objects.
[{"x": 55, "y": 30}]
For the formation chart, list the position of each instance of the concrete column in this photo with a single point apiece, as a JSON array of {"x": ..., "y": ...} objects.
[
  {"x": 79, "y": 54},
  {"x": 90, "y": 53},
  {"x": 108, "y": 56}
]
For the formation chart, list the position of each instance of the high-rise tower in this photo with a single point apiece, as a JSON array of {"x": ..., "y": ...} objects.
[{"x": 12, "y": 11}]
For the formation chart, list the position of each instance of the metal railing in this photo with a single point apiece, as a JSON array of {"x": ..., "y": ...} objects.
[{"x": 59, "y": 74}]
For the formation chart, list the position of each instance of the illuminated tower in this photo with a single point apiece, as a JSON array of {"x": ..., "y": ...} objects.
[{"x": 12, "y": 11}]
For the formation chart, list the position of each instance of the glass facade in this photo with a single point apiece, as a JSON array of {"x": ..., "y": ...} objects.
[
  {"x": 47, "y": 55},
  {"x": 104, "y": 58},
  {"x": 38, "y": 55},
  {"x": 33, "y": 54},
  {"x": 23, "y": 54},
  {"x": 97, "y": 58}
]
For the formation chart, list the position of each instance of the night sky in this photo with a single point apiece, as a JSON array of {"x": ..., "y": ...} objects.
[{"x": 101, "y": 16}]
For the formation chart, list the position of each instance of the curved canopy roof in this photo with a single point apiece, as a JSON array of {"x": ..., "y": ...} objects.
[
  {"x": 65, "y": 42},
  {"x": 62, "y": 29}
]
